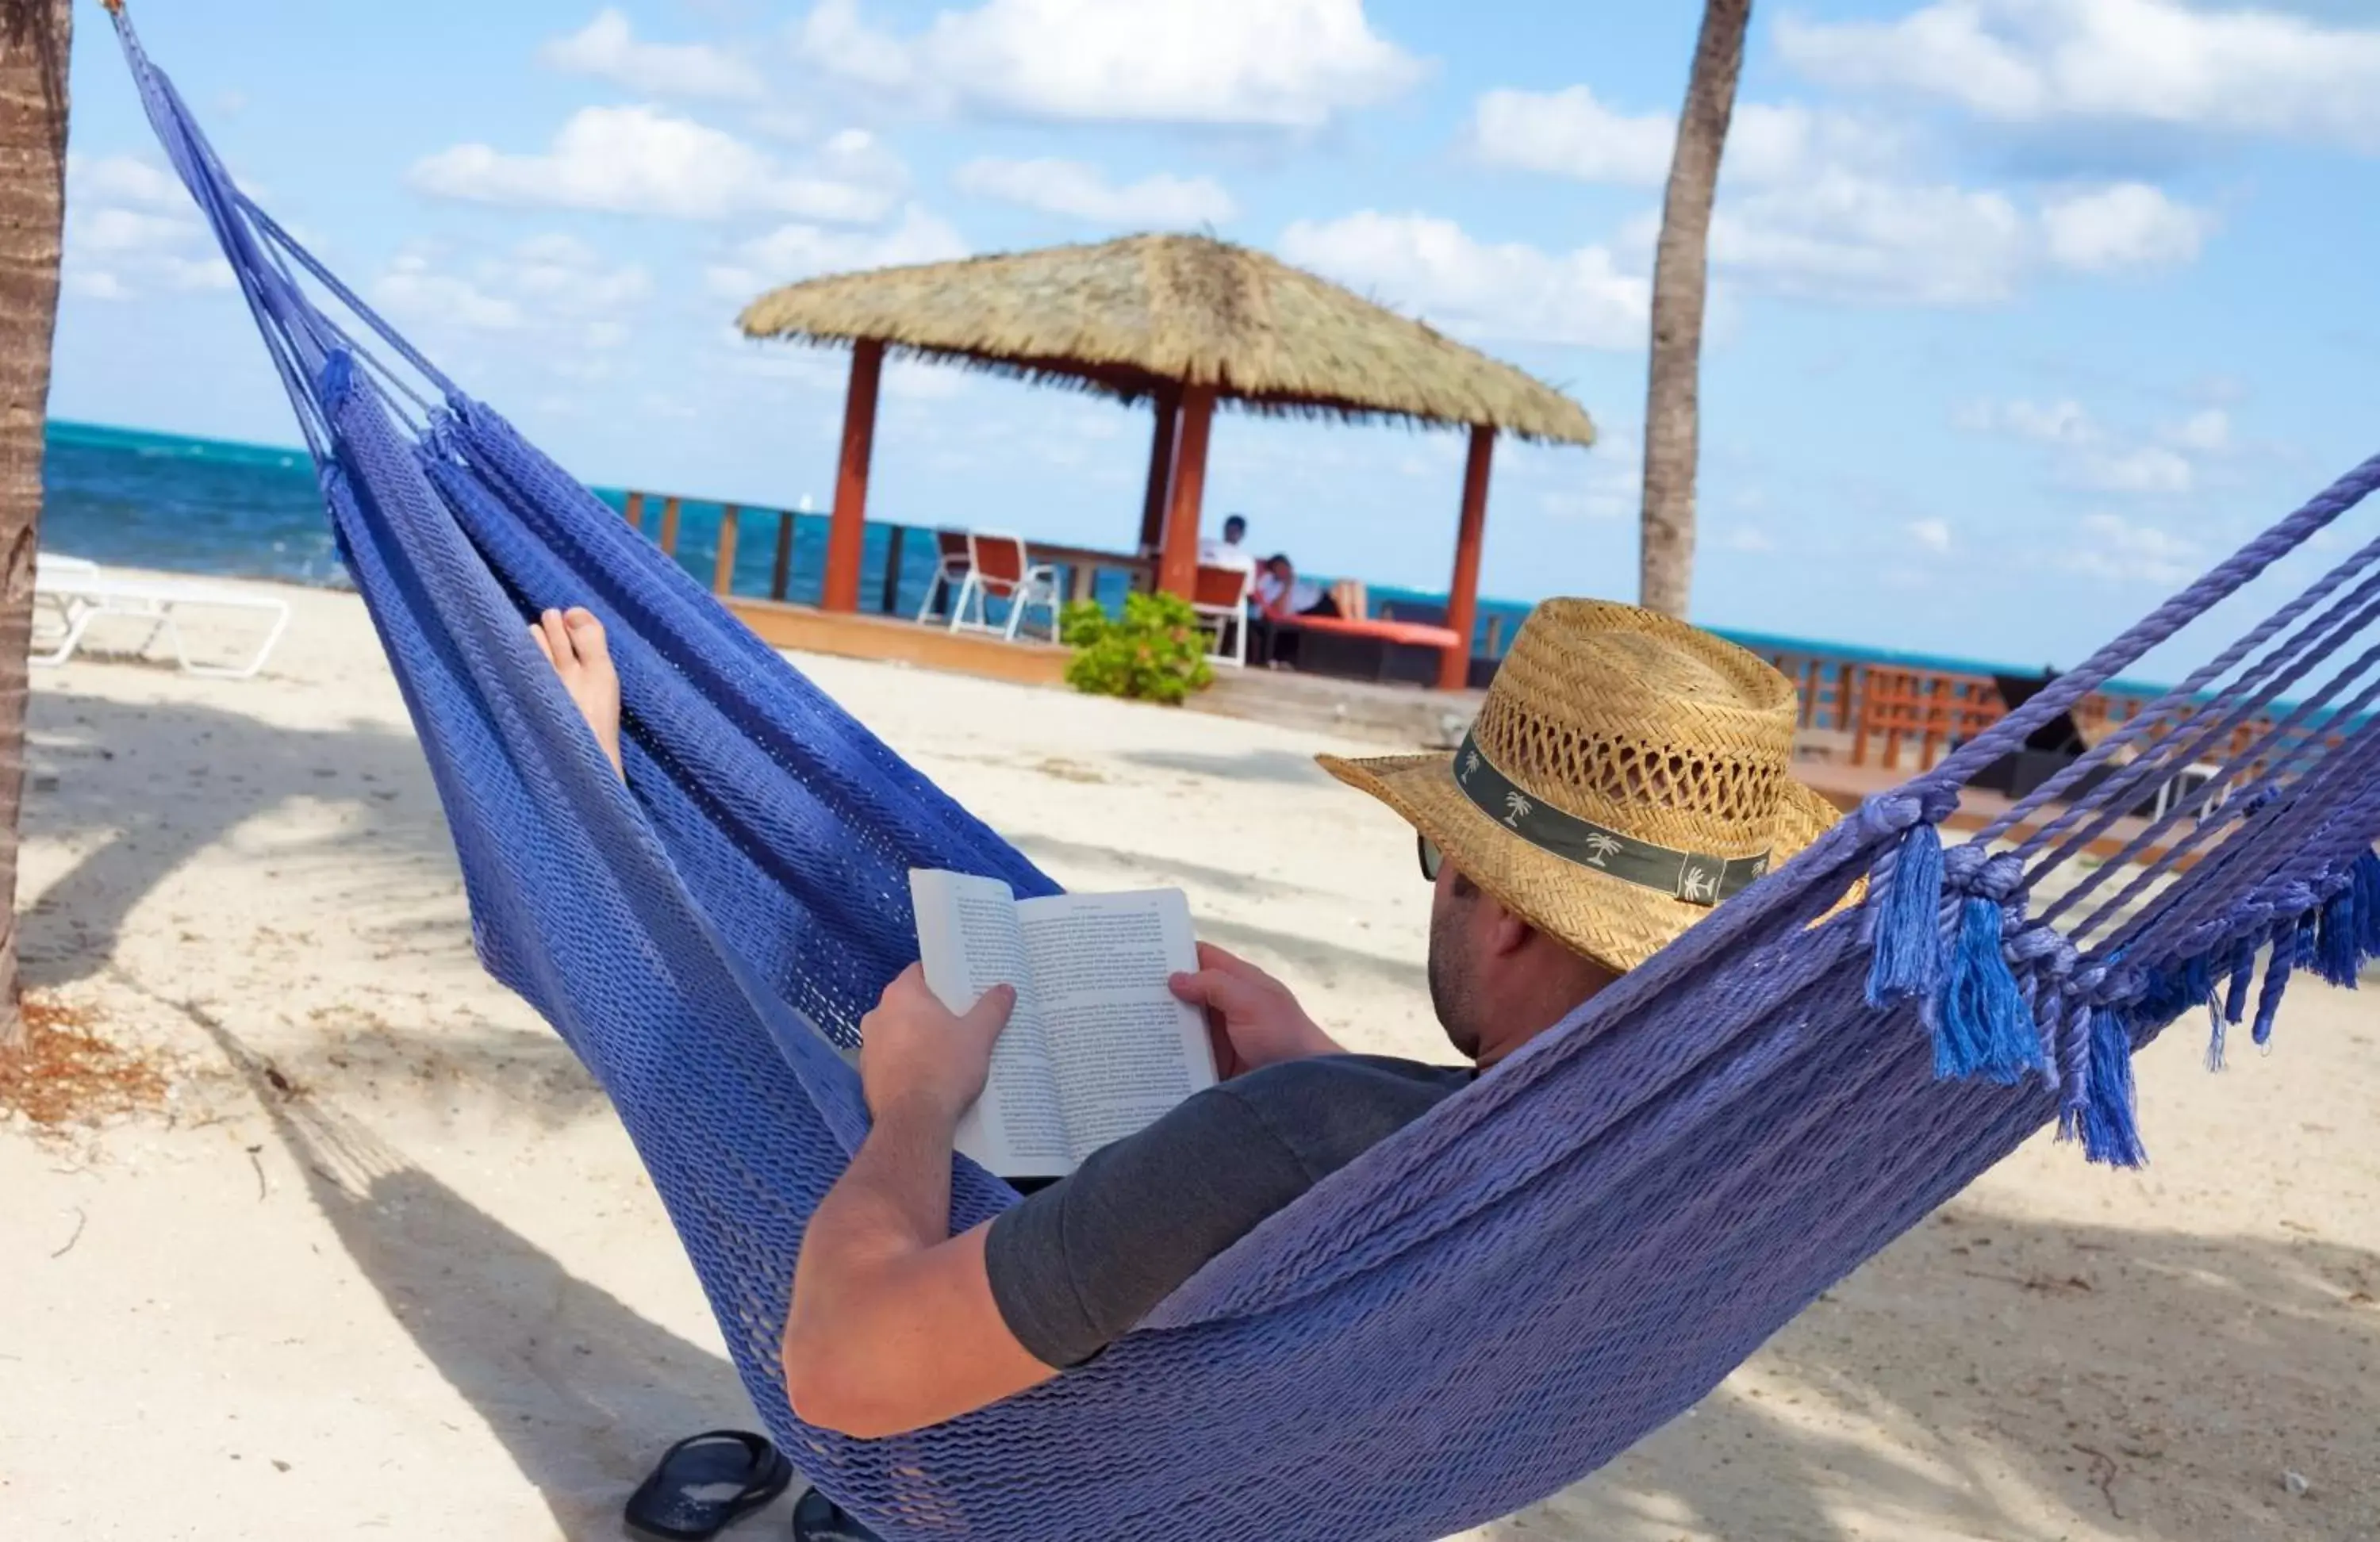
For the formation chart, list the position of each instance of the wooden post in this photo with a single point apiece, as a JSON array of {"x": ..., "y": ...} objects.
[
  {"x": 782, "y": 573},
  {"x": 1463, "y": 594},
  {"x": 845, "y": 535},
  {"x": 669, "y": 525},
  {"x": 1177, "y": 570},
  {"x": 636, "y": 511},
  {"x": 892, "y": 569},
  {"x": 723, "y": 569},
  {"x": 1161, "y": 468}
]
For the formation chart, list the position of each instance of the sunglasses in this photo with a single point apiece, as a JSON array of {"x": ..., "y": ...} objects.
[{"x": 1432, "y": 859}]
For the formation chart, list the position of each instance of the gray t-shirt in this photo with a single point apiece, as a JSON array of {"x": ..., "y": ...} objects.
[{"x": 1076, "y": 1264}]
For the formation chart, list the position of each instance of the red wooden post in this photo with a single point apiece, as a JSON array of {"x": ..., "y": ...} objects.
[
  {"x": 1463, "y": 594},
  {"x": 1161, "y": 468},
  {"x": 1177, "y": 570},
  {"x": 846, "y": 534},
  {"x": 669, "y": 525},
  {"x": 636, "y": 510}
]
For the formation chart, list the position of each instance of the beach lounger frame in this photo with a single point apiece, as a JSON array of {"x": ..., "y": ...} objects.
[{"x": 78, "y": 592}]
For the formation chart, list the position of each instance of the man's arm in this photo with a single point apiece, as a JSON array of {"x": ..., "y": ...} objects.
[
  {"x": 895, "y": 1325},
  {"x": 892, "y": 1325}
]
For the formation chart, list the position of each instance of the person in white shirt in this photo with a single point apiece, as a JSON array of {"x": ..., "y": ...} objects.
[
  {"x": 1282, "y": 595},
  {"x": 1228, "y": 551}
]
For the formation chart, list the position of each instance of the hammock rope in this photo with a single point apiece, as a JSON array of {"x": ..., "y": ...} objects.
[{"x": 1497, "y": 1299}]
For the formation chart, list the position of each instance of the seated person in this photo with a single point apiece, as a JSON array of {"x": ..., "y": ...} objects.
[
  {"x": 1547, "y": 884},
  {"x": 1282, "y": 595},
  {"x": 1228, "y": 551}
]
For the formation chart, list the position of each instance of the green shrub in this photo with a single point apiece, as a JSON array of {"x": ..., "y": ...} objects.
[{"x": 1155, "y": 653}]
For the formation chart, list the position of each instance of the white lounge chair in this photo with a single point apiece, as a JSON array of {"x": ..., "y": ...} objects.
[{"x": 74, "y": 592}]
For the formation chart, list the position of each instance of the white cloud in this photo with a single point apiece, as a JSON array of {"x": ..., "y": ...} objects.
[
  {"x": 2128, "y": 225},
  {"x": 1844, "y": 237},
  {"x": 2091, "y": 457},
  {"x": 410, "y": 287},
  {"x": 1281, "y": 64},
  {"x": 2240, "y": 70},
  {"x": 130, "y": 181},
  {"x": 643, "y": 161},
  {"x": 607, "y": 49},
  {"x": 1435, "y": 268},
  {"x": 2062, "y": 422},
  {"x": 800, "y": 252},
  {"x": 2149, "y": 469},
  {"x": 2105, "y": 546},
  {"x": 131, "y": 226},
  {"x": 1748, "y": 539},
  {"x": 2208, "y": 431},
  {"x": 1934, "y": 535},
  {"x": 556, "y": 287},
  {"x": 1570, "y": 133},
  {"x": 1079, "y": 191},
  {"x": 94, "y": 284}
]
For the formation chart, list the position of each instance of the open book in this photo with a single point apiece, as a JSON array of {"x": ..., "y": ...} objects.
[{"x": 1097, "y": 1046}]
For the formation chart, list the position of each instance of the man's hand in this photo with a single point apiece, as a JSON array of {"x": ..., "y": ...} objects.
[
  {"x": 922, "y": 1061},
  {"x": 1250, "y": 1018}
]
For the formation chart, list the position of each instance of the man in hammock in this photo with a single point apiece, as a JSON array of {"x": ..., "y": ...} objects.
[{"x": 1625, "y": 774}]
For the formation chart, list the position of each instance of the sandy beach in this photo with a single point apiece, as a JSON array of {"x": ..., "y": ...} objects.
[{"x": 380, "y": 1263}]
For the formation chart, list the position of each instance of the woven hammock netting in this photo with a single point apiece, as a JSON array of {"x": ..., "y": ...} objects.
[{"x": 1497, "y": 1299}]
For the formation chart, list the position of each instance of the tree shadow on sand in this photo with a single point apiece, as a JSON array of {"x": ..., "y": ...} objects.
[
  {"x": 85, "y": 783},
  {"x": 581, "y": 1389},
  {"x": 2013, "y": 1380}
]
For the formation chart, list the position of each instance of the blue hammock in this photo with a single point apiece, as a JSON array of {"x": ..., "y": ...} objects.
[{"x": 1494, "y": 1301}]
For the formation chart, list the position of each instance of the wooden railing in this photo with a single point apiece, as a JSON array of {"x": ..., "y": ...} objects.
[
  {"x": 1933, "y": 707},
  {"x": 1902, "y": 718},
  {"x": 781, "y": 567}
]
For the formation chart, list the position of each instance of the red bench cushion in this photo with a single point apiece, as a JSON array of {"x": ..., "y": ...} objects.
[{"x": 1412, "y": 632}]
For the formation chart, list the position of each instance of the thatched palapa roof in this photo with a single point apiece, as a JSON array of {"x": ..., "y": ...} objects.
[{"x": 1127, "y": 317}]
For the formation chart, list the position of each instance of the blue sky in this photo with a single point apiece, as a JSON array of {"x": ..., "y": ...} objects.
[{"x": 2023, "y": 310}]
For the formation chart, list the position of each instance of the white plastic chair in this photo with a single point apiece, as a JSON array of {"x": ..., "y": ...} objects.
[
  {"x": 951, "y": 567},
  {"x": 1220, "y": 594},
  {"x": 77, "y": 592},
  {"x": 999, "y": 567}
]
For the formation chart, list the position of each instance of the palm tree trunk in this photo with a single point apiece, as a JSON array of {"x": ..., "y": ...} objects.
[
  {"x": 34, "y": 39},
  {"x": 1672, "y": 398}
]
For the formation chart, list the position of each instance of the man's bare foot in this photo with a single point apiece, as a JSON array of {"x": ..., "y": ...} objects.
[{"x": 572, "y": 641}]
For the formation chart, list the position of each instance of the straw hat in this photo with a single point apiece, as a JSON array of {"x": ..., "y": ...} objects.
[{"x": 1626, "y": 774}]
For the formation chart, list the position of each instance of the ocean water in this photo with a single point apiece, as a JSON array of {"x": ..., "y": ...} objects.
[
  {"x": 126, "y": 497},
  {"x": 130, "y": 498}
]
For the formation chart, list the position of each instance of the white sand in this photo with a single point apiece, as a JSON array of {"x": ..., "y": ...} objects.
[{"x": 432, "y": 1297}]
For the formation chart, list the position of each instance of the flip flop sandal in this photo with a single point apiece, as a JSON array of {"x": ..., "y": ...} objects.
[
  {"x": 819, "y": 1519},
  {"x": 704, "y": 1484}
]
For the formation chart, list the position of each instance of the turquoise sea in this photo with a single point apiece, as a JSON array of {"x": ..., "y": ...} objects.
[{"x": 129, "y": 497}]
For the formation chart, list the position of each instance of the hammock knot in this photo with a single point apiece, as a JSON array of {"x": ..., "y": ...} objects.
[
  {"x": 2039, "y": 946},
  {"x": 1886, "y": 815},
  {"x": 1984, "y": 873}
]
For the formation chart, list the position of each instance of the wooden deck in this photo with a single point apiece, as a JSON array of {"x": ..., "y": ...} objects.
[
  {"x": 852, "y": 634},
  {"x": 1394, "y": 716},
  {"x": 1846, "y": 786}
]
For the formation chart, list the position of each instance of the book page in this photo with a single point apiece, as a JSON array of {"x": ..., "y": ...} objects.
[
  {"x": 969, "y": 942},
  {"x": 1122, "y": 1048}
]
